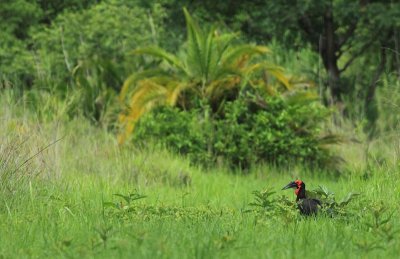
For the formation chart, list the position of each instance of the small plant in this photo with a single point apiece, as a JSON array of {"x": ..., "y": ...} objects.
[
  {"x": 129, "y": 199},
  {"x": 104, "y": 235},
  {"x": 329, "y": 203},
  {"x": 265, "y": 205},
  {"x": 379, "y": 224},
  {"x": 263, "y": 200}
]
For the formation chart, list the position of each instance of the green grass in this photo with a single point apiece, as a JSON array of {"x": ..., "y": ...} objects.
[{"x": 57, "y": 205}]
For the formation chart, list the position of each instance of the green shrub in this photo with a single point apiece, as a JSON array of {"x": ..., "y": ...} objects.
[
  {"x": 249, "y": 130},
  {"x": 178, "y": 130},
  {"x": 275, "y": 132}
]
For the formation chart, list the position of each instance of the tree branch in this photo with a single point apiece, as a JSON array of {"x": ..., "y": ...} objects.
[
  {"x": 357, "y": 54},
  {"x": 346, "y": 36},
  {"x": 343, "y": 50}
]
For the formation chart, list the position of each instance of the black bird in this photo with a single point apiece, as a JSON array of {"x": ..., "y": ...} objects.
[{"x": 306, "y": 205}]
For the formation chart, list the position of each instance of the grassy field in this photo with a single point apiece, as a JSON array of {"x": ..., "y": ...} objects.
[{"x": 63, "y": 202}]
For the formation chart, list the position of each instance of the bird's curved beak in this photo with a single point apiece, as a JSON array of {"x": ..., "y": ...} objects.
[{"x": 290, "y": 185}]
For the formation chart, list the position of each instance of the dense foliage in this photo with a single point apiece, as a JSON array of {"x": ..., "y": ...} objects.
[
  {"x": 248, "y": 131},
  {"x": 72, "y": 58},
  {"x": 347, "y": 35},
  {"x": 211, "y": 81},
  {"x": 209, "y": 69},
  {"x": 81, "y": 54}
]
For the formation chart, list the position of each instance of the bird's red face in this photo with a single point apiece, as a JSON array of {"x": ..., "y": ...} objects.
[{"x": 298, "y": 183}]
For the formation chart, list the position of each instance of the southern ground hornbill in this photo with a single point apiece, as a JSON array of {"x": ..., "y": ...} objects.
[{"x": 307, "y": 206}]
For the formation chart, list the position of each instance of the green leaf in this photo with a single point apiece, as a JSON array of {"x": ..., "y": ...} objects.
[{"x": 349, "y": 197}]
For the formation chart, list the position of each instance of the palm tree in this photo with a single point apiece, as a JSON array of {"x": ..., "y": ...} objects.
[{"x": 208, "y": 67}]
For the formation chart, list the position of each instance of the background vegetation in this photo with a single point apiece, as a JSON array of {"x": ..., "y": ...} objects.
[{"x": 167, "y": 128}]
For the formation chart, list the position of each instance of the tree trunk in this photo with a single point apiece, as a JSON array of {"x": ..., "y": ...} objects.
[
  {"x": 371, "y": 109},
  {"x": 329, "y": 57},
  {"x": 397, "y": 51},
  {"x": 374, "y": 83}
]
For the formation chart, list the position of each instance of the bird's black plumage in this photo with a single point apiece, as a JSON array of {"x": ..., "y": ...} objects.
[{"x": 307, "y": 206}]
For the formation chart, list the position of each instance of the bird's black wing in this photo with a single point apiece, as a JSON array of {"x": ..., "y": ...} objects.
[
  {"x": 317, "y": 201},
  {"x": 309, "y": 206}
]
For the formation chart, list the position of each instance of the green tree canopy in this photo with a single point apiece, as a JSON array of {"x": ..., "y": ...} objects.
[{"x": 340, "y": 31}]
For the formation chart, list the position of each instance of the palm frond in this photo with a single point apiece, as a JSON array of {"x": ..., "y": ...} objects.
[
  {"x": 130, "y": 83},
  {"x": 174, "y": 90},
  {"x": 196, "y": 42},
  {"x": 236, "y": 53},
  {"x": 162, "y": 54},
  {"x": 300, "y": 83},
  {"x": 149, "y": 94},
  {"x": 218, "y": 87},
  {"x": 209, "y": 55},
  {"x": 221, "y": 45},
  {"x": 278, "y": 74}
]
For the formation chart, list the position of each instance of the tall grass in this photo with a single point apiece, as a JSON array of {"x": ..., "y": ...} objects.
[
  {"x": 64, "y": 202},
  {"x": 14, "y": 176}
]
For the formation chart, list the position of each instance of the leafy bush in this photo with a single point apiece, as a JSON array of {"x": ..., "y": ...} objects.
[
  {"x": 329, "y": 204},
  {"x": 274, "y": 131},
  {"x": 249, "y": 130},
  {"x": 178, "y": 130}
]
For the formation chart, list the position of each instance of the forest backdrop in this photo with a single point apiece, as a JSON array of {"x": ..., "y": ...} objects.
[{"x": 229, "y": 82}]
